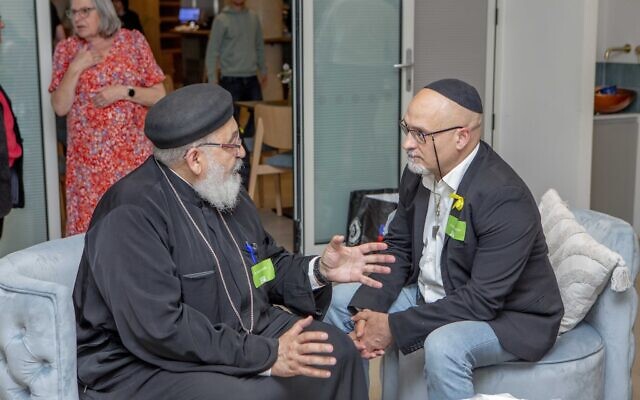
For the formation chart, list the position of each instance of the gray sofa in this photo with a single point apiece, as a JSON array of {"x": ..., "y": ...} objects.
[
  {"x": 591, "y": 362},
  {"x": 37, "y": 323},
  {"x": 38, "y": 342}
]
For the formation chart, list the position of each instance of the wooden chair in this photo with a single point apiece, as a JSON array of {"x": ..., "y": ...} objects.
[{"x": 273, "y": 128}]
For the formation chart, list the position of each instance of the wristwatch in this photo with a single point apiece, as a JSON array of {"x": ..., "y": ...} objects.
[
  {"x": 318, "y": 275},
  {"x": 131, "y": 92}
]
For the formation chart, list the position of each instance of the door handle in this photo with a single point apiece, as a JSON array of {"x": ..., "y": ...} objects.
[
  {"x": 401, "y": 66},
  {"x": 408, "y": 66}
]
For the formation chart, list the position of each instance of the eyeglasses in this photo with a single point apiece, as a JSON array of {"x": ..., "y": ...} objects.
[
  {"x": 222, "y": 145},
  {"x": 421, "y": 136},
  {"x": 234, "y": 145},
  {"x": 82, "y": 12}
]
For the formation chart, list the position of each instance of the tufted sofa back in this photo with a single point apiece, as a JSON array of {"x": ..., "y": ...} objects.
[{"x": 37, "y": 323}]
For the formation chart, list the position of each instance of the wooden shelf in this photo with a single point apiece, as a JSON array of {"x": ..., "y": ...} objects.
[
  {"x": 169, "y": 35},
  {"x": 283, "y": 39},
  {"x": 172, "y": 50}
]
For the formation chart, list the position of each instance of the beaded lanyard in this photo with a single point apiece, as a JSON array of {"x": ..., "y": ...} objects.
[{"x": 436, "y": 202}]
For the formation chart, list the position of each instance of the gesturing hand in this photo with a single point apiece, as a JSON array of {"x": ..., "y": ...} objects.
[
  {"x": 353, "y": 264},
  {"x": 298, "y": 350}
]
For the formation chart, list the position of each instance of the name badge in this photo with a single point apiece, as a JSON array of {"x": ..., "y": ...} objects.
[
  {"x": 456, "y": 229},
  {"x": 263, "y": 272}
]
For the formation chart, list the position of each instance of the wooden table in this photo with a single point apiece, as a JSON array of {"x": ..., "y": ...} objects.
[
  {"x": 193, "y": 45},
  {"x": 251, "y": 104}
]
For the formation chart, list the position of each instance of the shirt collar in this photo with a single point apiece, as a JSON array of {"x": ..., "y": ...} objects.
[{"x": 454, "y": 177}]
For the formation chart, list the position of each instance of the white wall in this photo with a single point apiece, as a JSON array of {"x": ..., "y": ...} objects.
[
  {"x": 618, "y": 24},
  {"x": 545, "y": 69}
]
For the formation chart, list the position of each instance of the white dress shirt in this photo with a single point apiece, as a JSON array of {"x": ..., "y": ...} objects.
[{"x": 430, "y": 278}]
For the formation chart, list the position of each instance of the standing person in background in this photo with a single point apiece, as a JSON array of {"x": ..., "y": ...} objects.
[
  {"x": 129, "y": 18},
  {"x": 236, "y": 46},
  {"x": 57, "y": 35},
  {"x": 104, "y": 78},
  {"x": 57, "y": 30},
  {"x": 11, "y": 188}
]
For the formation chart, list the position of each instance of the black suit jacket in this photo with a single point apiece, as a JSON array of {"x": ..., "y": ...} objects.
[{"x": 500, "y": 273}]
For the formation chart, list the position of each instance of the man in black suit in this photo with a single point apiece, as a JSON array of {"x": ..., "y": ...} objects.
[{"x": 472, "y": 282}]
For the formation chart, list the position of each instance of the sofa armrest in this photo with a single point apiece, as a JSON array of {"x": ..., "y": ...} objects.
[
  {"x": 37, "y": 338},
  {"x": 614, "y": 313}
]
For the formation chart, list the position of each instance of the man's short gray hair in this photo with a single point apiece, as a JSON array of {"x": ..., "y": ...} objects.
[
  {"x": 172, "y": 157},
  {"x": 109, "y": 21}
]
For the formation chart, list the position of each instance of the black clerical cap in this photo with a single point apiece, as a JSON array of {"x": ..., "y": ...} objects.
[
  {"x": 188, "y": 114},
  {"x": 458, "y": 91}
]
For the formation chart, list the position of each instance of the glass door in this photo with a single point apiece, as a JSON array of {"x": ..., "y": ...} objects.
[
  {"x": 348, "y": 99},
  {"x": 25, "y": 70}
]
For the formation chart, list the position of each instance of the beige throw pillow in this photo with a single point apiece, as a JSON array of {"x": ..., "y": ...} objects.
[{"x": 581, "y": 264}]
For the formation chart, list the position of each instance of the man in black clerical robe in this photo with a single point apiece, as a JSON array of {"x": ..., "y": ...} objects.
[{"x": 176, "y": 288}]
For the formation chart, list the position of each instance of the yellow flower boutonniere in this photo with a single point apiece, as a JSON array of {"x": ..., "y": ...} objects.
[{"x": 458, "y": 201}]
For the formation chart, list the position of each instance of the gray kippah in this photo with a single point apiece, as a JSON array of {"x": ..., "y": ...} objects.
[
  {"x": 458, "y": 91},
  {"x": 188, "y": 114}
]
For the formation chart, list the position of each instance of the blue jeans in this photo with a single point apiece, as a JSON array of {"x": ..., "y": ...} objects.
[{"x": 452, "y": 351}]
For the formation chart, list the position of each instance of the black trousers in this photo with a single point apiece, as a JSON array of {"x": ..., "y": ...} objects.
[
  {"x": 243, "y": 89},
  {"x": 347, "y": 381}
]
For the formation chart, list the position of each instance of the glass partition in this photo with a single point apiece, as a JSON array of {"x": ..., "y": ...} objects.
[
  {"x": 19, "y": 76},
  {"x": 356, "y": 103}
]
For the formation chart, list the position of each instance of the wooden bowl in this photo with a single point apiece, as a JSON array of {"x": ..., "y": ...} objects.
[{"x": 611, "y": 103}]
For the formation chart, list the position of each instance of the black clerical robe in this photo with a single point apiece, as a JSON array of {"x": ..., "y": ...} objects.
[{"x": 151, "y": 303}]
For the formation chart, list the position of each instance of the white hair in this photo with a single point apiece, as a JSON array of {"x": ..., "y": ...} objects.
[{"x": 173, "y": 156}]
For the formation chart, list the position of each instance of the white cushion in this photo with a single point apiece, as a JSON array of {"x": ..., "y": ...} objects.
[{"x": 581, "y": 264}]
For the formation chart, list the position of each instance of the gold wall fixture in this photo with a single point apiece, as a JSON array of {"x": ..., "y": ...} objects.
[{"x": 624, "y": 49}]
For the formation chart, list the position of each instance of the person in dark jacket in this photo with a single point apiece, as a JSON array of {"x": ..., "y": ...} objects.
[
  {"x": 472, "y": 282},
  {"x": 176, "y": 288},
  {"x": 129, "y": 18}
]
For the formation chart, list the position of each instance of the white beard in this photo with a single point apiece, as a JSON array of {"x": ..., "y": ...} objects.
[
  {"x": 221, "y": 193},
  {"x": 416, "y": 168}
]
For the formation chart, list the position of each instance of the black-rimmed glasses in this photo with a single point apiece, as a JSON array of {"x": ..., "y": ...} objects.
[
  {"x": 421, "y": 136},
  {"x": 81, "y": 12}
]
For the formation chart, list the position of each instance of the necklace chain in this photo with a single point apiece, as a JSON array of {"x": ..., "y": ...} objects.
[
  {"x": 436, "y": 202},
  {"x": 215, "y": 256}
]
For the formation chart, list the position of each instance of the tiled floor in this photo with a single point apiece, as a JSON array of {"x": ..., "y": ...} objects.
[{"x": 281, "y": 228}]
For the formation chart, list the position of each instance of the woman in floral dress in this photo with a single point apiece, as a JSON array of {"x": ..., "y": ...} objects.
[{"x": 104, "y": 78}]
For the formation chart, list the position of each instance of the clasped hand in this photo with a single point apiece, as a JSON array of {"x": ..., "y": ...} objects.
[
  {"x": 372, "y": 334},
  {"x": 109, "y": 95},
  {"x": 87, "y": 57}
]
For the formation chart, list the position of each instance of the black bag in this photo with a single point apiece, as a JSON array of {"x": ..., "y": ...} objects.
[{"x": 368, "y": 215}]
